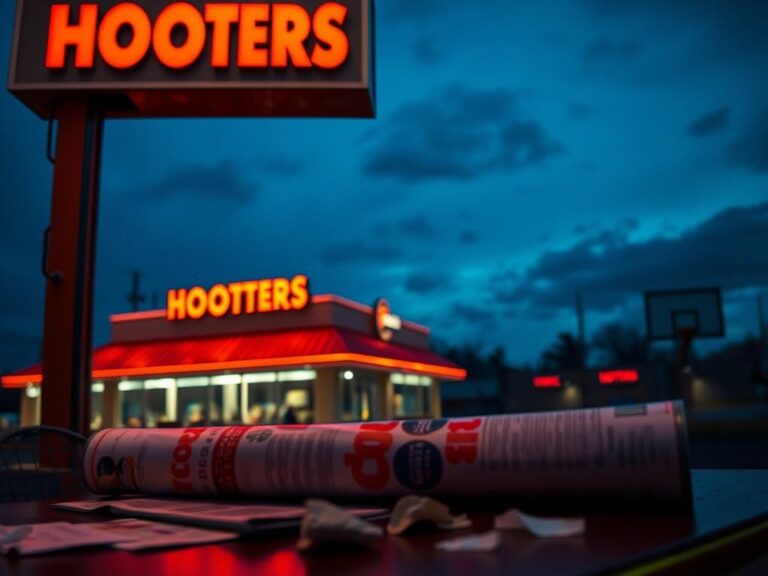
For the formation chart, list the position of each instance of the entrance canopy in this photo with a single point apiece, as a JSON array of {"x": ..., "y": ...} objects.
[{"x": 327, "y": 346}]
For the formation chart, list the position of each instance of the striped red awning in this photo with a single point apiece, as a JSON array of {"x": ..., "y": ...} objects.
[{"x": 260, "y": 351}]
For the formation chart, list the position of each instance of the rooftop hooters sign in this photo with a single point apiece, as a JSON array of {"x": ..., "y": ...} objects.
[
  {"x": 197, "y": 58},
  {"x": 237, "y": 298}
]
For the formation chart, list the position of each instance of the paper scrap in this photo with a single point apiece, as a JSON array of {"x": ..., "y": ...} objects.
[
  {"x": 538, "y": 526},
  {"x": 146, "y": 535},
  {"x": 127, "y": 534},
  {"x": 485, "y": 542},
  {"x": 325, "y": 523},
  {"x": 51, "y": 536},
  {"x": 411, "y": 510}
]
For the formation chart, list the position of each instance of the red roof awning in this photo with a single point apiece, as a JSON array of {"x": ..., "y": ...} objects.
[{"x": 260, "y": 351}]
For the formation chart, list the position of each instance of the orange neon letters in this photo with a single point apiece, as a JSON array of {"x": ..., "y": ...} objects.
[
  {"x": 300, "y": 292},
  {"x": 270, "y": 295},
  {"x": 119, "y": 16},
  {"x": 222, "y": 16},
  {"x": 252, "y": 52},
  {"x": 276, "y": 35},
  {"x": 82, "y": 36},
  {"x": 290, "y": 28},
  {"x": 327, "y": 24},
  {"x": 177, "y": 304},
  {"x": 179, "y": 14}
]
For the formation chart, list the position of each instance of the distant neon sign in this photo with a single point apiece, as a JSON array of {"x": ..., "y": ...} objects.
[
  {"x": 385, "y": 323},
  {"x": 236, "y": 298},
  {"x": 608, "y": 377},
  {"x": 547, "y": 382}
]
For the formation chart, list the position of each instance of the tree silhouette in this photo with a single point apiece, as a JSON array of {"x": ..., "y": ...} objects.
[
  {"x": 567, "y": 353},
  {"x": 618, "y": 345}
]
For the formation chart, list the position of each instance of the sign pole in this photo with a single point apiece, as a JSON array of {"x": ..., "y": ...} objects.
[{"x": 69, "y": 253}]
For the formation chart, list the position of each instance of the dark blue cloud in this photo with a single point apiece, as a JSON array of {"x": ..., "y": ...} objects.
[
  {"x": 751, "y": 148},
  {"x": 458, "y": 134},
  {"x": 418, "y": 225},
  {"x": 274, "y": 166},
  {"x": 610, "y": 270},
  {"x": 608, "y": 52},
  {"x": 727, "y": 28},
  {"x": 403, "y": 10},
  {"x": 580, "y": 110},
  {"x": 224, "y": 181},
  {"x": 468, "y": 237},
  {"x": 710, "y": 123},
  {"x": 427, "y": 51},
  {"x": 427, "y": 282},
  {"x": 473, "y": 314},
  {"x": 359, "y": 252}
]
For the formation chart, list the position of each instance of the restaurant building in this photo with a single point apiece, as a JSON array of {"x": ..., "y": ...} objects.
[{"x": 254, "y": 353}]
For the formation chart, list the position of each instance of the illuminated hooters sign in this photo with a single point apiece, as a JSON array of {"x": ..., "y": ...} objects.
[
  {"x": 236, "y": 298},
  {"x": 197, "y": 57},
  {"x": 385, "y": 323}
]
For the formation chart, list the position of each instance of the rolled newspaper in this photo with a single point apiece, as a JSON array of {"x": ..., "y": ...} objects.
[{"x": 628, "y": 451}]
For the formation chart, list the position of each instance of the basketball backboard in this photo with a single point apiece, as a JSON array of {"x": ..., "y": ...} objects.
[{"x": 671, "y": 314}]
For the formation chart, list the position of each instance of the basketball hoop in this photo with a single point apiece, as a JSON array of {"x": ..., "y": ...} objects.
[{"x": 686, "y": 334}]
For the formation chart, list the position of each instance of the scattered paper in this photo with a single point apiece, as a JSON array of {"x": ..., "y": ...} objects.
[
  {"x": 145, "y": 535},
  {"x": 542, "y": 527},
  {"x": 486, "y": 542},
  {"x": 325, "y": 523},
  {"x": 53, "y": 536},
  {"x": 243, "y": 517},
  {"x": 127, "y": 534},
  {"x": 411, "y": 510}
]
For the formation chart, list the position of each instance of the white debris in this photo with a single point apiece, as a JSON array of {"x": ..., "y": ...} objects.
[
  {"x": 486, "y": 542},
  {"x": 542, "y": 527},
  {"x": 324, "y": 523},
  {"x": 411, "y": 510}
]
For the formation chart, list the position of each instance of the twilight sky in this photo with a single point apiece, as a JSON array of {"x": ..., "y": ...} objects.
[{"x": 522, "y": 151}]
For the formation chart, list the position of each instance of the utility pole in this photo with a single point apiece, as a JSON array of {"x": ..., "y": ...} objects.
[
  {"x": 581, "y": 327},
  {"x": 135, "y": 297}
]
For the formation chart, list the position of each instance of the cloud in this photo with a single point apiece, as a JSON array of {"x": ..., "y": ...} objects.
[
  {"x": 468, "y": 237},
  {"x": 355, "y": 252},
  {"x": 403, "y": 10},
  {"x": 473, "y": 314},
  {"x": 425, "y": 50},
  {"x": 418, "y": 226},
  {"x": 612, "y": 271},
  {"x": 427, "y": 282},
  {"x": 724, "y": 27},
  {"x": 710, "y": 123},
  {"x": 221, "y": 182},
  {"x": 580, "y": 110},
  {"x": 458, "y": 133},
  {"x": 751, "y": 148},
  {"x": 604, "y": 51},
  {"x": 278, "y": 166}
]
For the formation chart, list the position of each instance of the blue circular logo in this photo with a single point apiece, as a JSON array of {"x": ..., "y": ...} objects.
[
  {"x": 418, "y": 465},
  {"x": 422, "y": 427}
]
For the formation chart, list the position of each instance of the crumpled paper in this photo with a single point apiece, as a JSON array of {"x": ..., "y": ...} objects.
[
  {"x": 410, "y": 510},
  {"x": 485, "y": 542},
  {"x": 324, "y": 523},
  {"x": 514, "y": 519}
]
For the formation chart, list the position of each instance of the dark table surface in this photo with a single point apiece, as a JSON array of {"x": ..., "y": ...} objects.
[{"x": 727, "y": 505}]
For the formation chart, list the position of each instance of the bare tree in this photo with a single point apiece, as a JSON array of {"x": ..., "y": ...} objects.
[
  {"x": 618, "y": 345},
  {"x": 567, "y": 353}
]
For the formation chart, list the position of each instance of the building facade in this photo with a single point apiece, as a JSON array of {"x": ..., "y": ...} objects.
[{"x": 326, "y": 359}]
